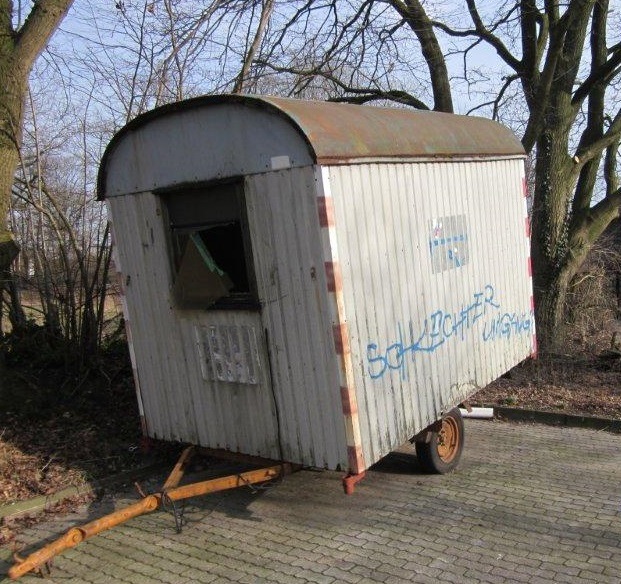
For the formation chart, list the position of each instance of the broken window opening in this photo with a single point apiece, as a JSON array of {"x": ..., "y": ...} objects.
[{"x": 211, "y": 249}]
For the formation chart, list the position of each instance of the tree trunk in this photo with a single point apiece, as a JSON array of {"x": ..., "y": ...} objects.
[
  {"x": 10, "y": 114},
  {"x": 553, "y": 265},
  {"x": 13, "y": 83},
  {"x": 18, "y": 51},
  {"x": 550, "y": 308}
]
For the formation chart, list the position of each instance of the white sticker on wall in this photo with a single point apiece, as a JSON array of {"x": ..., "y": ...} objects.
[
  {"x": 280, "y": 162},
  {"x": 228, "y": 353},
  {"x": 448, "y": 243}
]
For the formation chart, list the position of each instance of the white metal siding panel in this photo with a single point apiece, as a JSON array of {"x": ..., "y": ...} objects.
[
  {"x": 284, "y": 224},
  {"x": 196, "y": 145},
  {"x": 137, "y": 226},
  {"x": 120, "y": 282},
  {"x": 394, "y": 300},
  {"x": 179, "y": 403}
]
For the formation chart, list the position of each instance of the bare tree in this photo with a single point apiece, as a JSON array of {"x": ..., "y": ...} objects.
[
  {"x": 20, "y": 45},
  {"x": 63, "y": 234},
  {"x": 561, "y": 63},
  {"x": 145, "y": 54}
]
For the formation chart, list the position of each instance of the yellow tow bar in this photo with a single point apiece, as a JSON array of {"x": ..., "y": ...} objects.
[{"x": 170, "y": 492}]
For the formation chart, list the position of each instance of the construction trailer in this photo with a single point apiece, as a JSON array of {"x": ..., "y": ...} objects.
[
  {"x": 317, "y": 282},
  {"x": 312, "y": 283}
]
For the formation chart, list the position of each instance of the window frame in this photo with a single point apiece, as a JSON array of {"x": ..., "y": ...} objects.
[{"x": 246, "y": 300}]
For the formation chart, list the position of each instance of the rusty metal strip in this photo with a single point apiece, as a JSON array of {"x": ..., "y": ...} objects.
[
  {"x": 77, "y": 535},
  {"x": 229, "y": 482},
  {"x": 340, "y": 329}
]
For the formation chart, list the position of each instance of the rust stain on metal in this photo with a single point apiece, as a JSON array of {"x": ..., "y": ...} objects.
[
  {"x": 349, "y": 406},
  {"x": 325, "y": 207},
  {"x": 341, "y": 339},
  {"x": 334, "y": 277},
  {"x": 351, "y": 480},
  {"x": 340, "y": 132},
  {"x": 355, "y": 459}
]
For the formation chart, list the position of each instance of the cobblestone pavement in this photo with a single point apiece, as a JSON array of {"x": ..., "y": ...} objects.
[{"x": 532, "y": 504}]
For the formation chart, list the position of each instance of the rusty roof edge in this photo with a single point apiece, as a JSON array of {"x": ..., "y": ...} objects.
[
  {"x": 364, "y": 131},
  {"x": 397, "y": 159}
]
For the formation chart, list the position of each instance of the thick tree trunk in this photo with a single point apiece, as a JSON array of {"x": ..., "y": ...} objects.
[
  {"x": 10, "y": 122},
  {"x": 8, "y": 252},
  {"x": 10, "y": 113},
  {"x": 550, "y": 308},
  {"x": 561, "y": 237},
  {"x": 18, "y": 51},
  {"x": 553, "y": 266},
  {"x": 13, "y": 80}
]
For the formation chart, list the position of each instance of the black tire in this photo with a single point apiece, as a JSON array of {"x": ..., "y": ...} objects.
[{"x": 441, "y": 453}]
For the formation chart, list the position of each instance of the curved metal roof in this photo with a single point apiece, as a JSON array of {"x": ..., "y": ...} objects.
[{"x": 337, "y": 133}]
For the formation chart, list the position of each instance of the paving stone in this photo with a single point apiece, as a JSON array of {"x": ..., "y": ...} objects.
[
  {"x": 341, "y": 575},
  {"x": 529, "y": 503}
]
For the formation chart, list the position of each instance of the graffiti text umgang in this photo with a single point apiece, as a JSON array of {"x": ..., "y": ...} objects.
[{"x": 507, "y": 325}]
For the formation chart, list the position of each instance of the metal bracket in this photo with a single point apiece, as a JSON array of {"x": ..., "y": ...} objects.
[{"x": 351, "y": 480}]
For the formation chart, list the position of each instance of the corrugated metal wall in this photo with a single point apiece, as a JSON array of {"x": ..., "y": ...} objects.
[
  {"x": 190, "y": 361},
  {"x": 285, "y": 232},
  {"x": 434, "y": 260},
  {"x": 182, "y": 400}
]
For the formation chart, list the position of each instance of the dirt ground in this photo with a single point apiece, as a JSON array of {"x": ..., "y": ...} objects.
[
  {"x": 572, "y": 384},
  {"x": 47, "y": 444}
]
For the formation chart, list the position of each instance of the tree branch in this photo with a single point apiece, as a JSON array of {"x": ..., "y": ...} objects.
[
  {"x": 603, "y": 74},
  {"x": 491, "y": 39},
  {"x": 359, "y": 95},
  {"x": 610, "y": 167},
  {"x": 530, "y": 44},
  {"x": 561, "y": 64},
  {"x": 34, "y": 35},
  {"x": 414, "y": 14},
  {"x": 6, "y": 18},
  {"x": 598, "y": 214},
  {"x": 595, "y": 148},
  {"x": 266, "y": 13},
  {"x": 391, "y": 95},
  {"x": 496, "y": 101},
  {"x": 595, "y": 115}
]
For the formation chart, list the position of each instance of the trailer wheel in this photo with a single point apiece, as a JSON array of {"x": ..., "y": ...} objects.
[{"x": 441, "y": 452}]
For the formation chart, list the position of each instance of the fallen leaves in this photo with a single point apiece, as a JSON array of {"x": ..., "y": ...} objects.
[{"x": 563, "y": 383}]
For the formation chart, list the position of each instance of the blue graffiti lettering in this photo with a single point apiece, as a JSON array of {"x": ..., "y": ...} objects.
[
  {"x": 507, "y": 325},
  {"x": 443, "y": 325}
]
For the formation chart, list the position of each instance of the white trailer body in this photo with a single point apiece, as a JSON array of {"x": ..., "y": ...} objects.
[{"x": 316, "y": 282}]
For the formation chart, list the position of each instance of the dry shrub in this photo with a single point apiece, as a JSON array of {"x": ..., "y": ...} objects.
[{"x": 593, "y": 316}]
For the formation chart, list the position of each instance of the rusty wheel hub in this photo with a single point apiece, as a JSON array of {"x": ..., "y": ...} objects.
[{"x": 448, "y": 439}]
